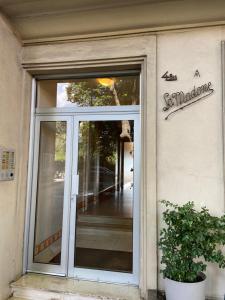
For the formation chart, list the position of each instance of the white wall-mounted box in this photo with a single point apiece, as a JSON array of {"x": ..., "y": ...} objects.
[{"x": 7, "y": 164}]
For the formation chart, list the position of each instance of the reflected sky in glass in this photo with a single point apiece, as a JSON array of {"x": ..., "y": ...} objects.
[{"x": 62, "y": 98}]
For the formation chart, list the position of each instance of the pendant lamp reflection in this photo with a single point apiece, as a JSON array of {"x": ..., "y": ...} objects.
[{"x": 107, "y": 82}]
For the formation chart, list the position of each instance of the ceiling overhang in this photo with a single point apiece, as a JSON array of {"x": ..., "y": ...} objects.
[{"x": 49, "y": 20}]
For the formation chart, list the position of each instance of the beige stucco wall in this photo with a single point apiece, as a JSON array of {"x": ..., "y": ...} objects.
[
  {"x": 189, "y": 144},
  {"x": 11, "y": 135},
  {"x": 189, "y": 155}
]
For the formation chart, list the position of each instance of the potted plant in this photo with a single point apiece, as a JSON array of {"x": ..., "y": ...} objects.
[{"x": 190, "y": 239}]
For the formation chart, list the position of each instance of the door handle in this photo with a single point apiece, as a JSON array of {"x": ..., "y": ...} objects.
[
  {"x": 73, "y": 197},
  {"x": 75, "y": 185}
]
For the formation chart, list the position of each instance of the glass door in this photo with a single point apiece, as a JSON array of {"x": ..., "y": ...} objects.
[
  {"x": 84, "y": 216},
  {"x": 49, "y": 227},
  {"x": 85, "y": 197},
  {"x": 104, "y": 230}
]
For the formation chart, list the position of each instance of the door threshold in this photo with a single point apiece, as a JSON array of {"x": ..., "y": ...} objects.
[{"x": 39, "y": 286}]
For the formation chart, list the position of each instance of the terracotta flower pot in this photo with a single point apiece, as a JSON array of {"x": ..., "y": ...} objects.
[{"x": 176, "y": 290}]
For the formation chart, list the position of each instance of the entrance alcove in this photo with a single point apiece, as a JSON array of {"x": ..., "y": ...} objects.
[{"x": 114, "y": 183}]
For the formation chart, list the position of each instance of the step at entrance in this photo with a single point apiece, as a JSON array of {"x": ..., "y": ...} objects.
[
  {"x": 109, "y": 233},
  {"x": 47, "y": 287},
  {"x": 106, "y": 221}
]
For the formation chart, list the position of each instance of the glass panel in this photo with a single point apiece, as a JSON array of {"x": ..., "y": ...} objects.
[
  {"x": 123, "y": 90},
  {"x": 104, "y": 222},
  {"x": 50, "y": 192}
]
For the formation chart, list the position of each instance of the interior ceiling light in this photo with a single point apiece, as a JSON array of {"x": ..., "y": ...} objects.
[{"x": 107, "y": 82}]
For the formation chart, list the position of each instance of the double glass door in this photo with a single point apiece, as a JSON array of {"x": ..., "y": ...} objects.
[{"x": 85, "y": 197}]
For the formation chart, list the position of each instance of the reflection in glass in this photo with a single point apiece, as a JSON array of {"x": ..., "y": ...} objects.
[
  {"x": 120, "y": 90},
  {"x": 50, "y": 192},
  {"x": 104, "y": 223}
]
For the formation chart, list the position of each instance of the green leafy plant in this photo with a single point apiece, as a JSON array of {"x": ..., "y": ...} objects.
[{"x": 189, "y": 240}]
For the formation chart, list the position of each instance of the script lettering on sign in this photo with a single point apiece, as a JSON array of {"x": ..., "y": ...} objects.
[{"x": 179, "y": 100}]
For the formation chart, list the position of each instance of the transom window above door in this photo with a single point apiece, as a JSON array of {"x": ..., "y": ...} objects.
[{"x": 90, "y": 91}]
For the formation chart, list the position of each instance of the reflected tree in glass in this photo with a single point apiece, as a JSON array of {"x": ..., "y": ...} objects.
[{"x": 106, "y": 91}]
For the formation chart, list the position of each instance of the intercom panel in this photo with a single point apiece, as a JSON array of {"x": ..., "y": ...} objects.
[{"x": 7, "y": 164}]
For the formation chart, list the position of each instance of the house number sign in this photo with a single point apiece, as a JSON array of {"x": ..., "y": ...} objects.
[
  {"x": 177, "y": 101},
  {"x": 169, "y": 77}
]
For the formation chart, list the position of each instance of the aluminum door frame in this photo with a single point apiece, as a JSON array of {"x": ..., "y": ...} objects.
[
  {"x": 42, "y": 267},
  {"x": 99, "y": 275}
]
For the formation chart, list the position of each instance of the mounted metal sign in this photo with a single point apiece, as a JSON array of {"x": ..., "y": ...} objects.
[
  {"x": 169, "y": 77},
  {"x": 197, "y": 74},
  {"x": 179, "y": 100}
]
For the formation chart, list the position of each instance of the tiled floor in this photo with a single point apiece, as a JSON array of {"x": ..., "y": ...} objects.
[
  {"x": 112, "y": 203},
  {"x": 163, "y": 297},
  {"x": 104, "y": 233},
  {"x": 110, "y": 216}
]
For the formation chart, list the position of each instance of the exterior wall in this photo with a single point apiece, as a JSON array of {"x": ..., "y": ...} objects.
[
  {"x": 189, "y": 157},
  {"x": 11, "y": 201},
  {"x": 189, "y": 144}
]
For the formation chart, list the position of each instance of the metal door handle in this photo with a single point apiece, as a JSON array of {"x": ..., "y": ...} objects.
[{"x": 75, "y": 185}]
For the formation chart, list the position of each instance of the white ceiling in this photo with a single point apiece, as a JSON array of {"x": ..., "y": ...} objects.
[{"x": 45, "y": 20}]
